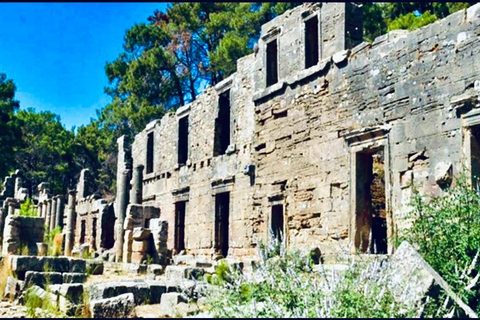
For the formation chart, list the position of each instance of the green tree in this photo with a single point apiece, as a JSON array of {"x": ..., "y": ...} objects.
[
  {"x": 46, "y": 152},
  {"x": 9, "y": 126}
]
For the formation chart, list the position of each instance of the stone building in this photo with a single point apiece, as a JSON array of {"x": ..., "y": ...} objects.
[{"x": 318, "y": 136}]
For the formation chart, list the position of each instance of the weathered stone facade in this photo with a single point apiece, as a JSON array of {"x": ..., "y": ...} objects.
[{"x": 326, "y": 154}]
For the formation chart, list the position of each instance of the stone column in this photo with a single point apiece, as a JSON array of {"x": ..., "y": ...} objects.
[
  {"x": 121, "y": 208},
  {"x": 121, "y": 200},
  {"x": 48, "y": 213},
  {"x": 53, "y": 216},
  {"x": 70, "y": 223},
  {"x": 136, "y": 190},
  {"x": 39, "y": 209},
  {"x": 59, "y": 216}
]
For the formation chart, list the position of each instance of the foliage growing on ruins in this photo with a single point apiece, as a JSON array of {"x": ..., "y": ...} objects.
[
  {"x": 284, "y": 285},
  {"x": 446, "y": 231},
  {"x": 27, "y": 209}
]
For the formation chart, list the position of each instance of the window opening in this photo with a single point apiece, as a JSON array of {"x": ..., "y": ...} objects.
[
  {"x": 311, "y": 42},
  {"x": 222, "y": 125},
  {"x": 183, "y": 140},
  {"x": 272, "y": 65}
]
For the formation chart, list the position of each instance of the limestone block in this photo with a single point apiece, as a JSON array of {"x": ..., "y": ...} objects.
[
  {"x": 135, "y": 268},
  {"x": 77, "y": 265},
  {"x": 443, "y": 173},
  {"x": 340, "y": 56},
  {"x": 183, "y": 272},
  {"x": 25, "y": 263},
  {"x": 156, "y": 269},
  {"x": 56, "y": 264},
  {"x": 141, "y": 234},
  {"x": 95, "y": 266},
  {"x": 42, "y": 278},
  {"x": 116, "y": 307},
  {"x": 140, "y": 290},
  {"x": 169, "y": 301},
  {"x": 73, "y": 292},
  {"x": 150, "y": 212},
  {"x": 74, "y": 277},
  {"x": 140, "y": 246},
  {"x": 157, "y": 289}
]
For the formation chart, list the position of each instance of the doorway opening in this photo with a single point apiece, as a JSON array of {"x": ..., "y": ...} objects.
[
  {"x": 371, "y": 219},
  {"x": 222, "y": 212},
  {"x": 276, "y": 222},
  {"x": 179, "y": 235}
]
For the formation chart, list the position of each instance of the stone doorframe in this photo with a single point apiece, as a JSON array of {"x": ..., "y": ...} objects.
[{"x": 364, "y": 140}]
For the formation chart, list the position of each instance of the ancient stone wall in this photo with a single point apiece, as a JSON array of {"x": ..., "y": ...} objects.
[{"x": 324, "y": 153}]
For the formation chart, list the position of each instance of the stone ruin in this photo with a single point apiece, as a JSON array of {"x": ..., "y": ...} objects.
[{"x": 317, "y": 138}]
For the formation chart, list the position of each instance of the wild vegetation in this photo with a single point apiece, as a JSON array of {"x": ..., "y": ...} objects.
[{"x": 445, "y": 230}]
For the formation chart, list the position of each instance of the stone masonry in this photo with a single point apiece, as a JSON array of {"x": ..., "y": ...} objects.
[{"x": 322, "y": 145}]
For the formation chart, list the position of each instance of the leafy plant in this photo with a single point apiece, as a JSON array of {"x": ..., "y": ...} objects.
[
  {"x": 27, "y": 209},
  {"x": 446, "y": 231},
  {"x": 284, "y": 285}
]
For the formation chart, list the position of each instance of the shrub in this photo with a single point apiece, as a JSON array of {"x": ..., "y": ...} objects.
[
  {"x": 284, "y": 285},
  {"x": 410, "y": 22},
  {"x": 446, "y": 232},
  {"x": 27, "y": 209}
]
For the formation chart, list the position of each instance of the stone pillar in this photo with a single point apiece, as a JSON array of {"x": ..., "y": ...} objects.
[
  {"x": 121, "y": 208},
  {"x": 121, "y": 201},
  {"x": 53, "y": 216},
  {"x": 136, "y": 190},
  {"x": 70, "y": 223},
  {"x": 59, "y": 216},
  {"x": 48, "y": 213},
  {"x": 39, "y": 209},
  {"x": 11, "y": 204}
]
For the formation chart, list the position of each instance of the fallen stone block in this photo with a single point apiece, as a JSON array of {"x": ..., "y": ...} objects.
[
  {"x": 116, "y": 307},
  {"x": 94, "y": 266},
  {"x": 41, "y": 279},
  {"x": 135, "y": 268},
  {"x": 74, "y": 277},
  {"x": 22, "y": 264},
  {"x": 184, "y": 260},
  {"x": 13, "y": 288},
  {"x": 156, "y": 269},
  {"x": 140, "y": 290},
  {"x": 77, "y": 265},
  {"x": 183, "y": 272},
  {"x": 168, "y": 303},
  {"x": 140, "y": 234},
  {"x": 56, "y": 264},
  {"x": 72, "y": 292},
  {"x": 411, "y": 278},
  {"x": 157, "y": 289}
]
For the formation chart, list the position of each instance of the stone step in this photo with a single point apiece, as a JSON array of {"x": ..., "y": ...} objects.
[
  {"x": 21, "y": 264},
  {"x": 183, "y": 272}
]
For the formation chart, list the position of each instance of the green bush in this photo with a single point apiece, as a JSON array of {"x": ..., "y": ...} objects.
[
  {"x": 410, "y": 22},
  {"x": 446, "y": 232},
  {"x": 27, "y": 209},
  {"x": 283, "y": 285}
]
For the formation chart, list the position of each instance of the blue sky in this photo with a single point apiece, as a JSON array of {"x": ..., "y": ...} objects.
[{"x": 56, "y": 52}]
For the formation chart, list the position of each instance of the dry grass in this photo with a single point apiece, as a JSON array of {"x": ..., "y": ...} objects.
[
  {"x": 5, "y": 272},
  {"x": 57, "y": 244}
]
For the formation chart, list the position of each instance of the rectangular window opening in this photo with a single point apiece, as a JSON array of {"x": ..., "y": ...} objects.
[
  {"x": 222, "y": 125},
  {"x": 276, "y": 222},
  {"x": 272, "y": 63},
  {"x": 371, "y": 223},
  {"x": 311, "y": 42},
  {"x": 180, "y": 226},
  {"x": 94, "y": 233},
  {"x": 149, "y": 167},
  {"x": 183, "y": 140},
  {"x": 222, "y": 212},
  {"x": 83, "y": 227}
]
